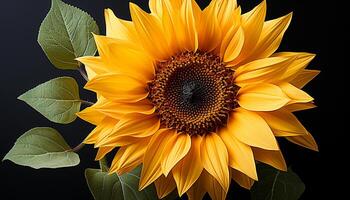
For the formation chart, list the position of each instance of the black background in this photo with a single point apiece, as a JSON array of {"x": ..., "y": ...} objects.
[{"x": 315, "y": 28}]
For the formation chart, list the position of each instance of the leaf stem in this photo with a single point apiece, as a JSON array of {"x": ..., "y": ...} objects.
[
  {"x": 82, "y": 71},
  {"x": 103, "y": 164},
  {"x": 78, "y": 147},
  {"x": 88, "y": 103}
]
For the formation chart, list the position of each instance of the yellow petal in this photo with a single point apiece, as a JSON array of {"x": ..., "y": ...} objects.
[
  {"x": 240, "y": 154},
  {"x": 156, "y": 7},
  {"x": 273, "y": 158},
  {"x": 169, "y": 19},
  {"x": 164, "y": 186},
  {"x": 102, "y": 152},
  {"x": 251, "y": 129},
  {"x": 118, "y": 110},
  {"x": 300, "y": 61},
  {"x": 188, "y": 170},
  {"x": 94, "y": 134},
  {"x": 283, "y": 123},
  {"x": 90, "y": 73},
  {"x": 227, "y": 13},
  {"x": 215, "y": 159},
  {"x": 130, "y": 156},
  {"x": 300, "y": 106},
  {"x": 266, "y": 70},
  {"x": 149, "y": 30},
  {"x": 175, "y": 4},
  {"x": 174, "y": 26},
  {"x": 209, "y": 32},
  {"x": 262, "y": 97},
  {"x": 196, "y": 192},
  {"x": 134, "y": 124},
  {"x": 118, "y": 87},
  {"x": 94, "y": 65},
  {"x": 228, "y": 35},
  {"x": 295, "y": 94},
  {"x": 271, "y": 37},
  {"x": 252, "y": 23},
  {"x": 242, "y": 179},
  {"x": 173, "y": 154},
  {"x": 102, "y": 129},
  {"x": 91, "y": 115},
  {"x": 106, "y": 47},
  {"x": 118, "y": 28},
  {"x": 117, "y": 56},
  {"x": 234, "y": 47},
  {"x": 120, "y": 141},
  {"x": 131, "y": 126},
  {"x": 103, "y": 44},
  {"x": 214, "y": 188},
  {"x": 124, "y": 62},
  {"x": 151, "y": 169},
  {"x": 190, "y": 15},
  {"x": 306, "y": 141},
  {"x": 304, "y": 78}
]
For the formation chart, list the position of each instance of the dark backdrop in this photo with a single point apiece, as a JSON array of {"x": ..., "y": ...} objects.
[{"x": 23, "y": 65}]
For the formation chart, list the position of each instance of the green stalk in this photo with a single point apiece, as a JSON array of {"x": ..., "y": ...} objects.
[{"x": 103, "y": 164}]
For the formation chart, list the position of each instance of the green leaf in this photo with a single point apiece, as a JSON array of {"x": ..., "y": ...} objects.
[
  {"x": 110, "y": 187},
  {"x": 42, "y": 147},
  {"x": 103, "y": 164},
  {"x": 58, "y": 99},
  {"x": 277, "y": 185},
  {"x": 65, "y": 34}
]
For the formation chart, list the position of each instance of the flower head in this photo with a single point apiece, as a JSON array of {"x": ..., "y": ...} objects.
[{"x": 196, "y": 96}]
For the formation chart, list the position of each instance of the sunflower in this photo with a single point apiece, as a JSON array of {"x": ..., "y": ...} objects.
[{"x": 196, "y": 96}]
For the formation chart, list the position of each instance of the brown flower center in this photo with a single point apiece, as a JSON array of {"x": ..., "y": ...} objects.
[{"x": 193, "y": 92}]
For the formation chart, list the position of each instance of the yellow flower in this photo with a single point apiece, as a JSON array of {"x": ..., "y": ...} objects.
[{"x": 196, "y": 96}]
